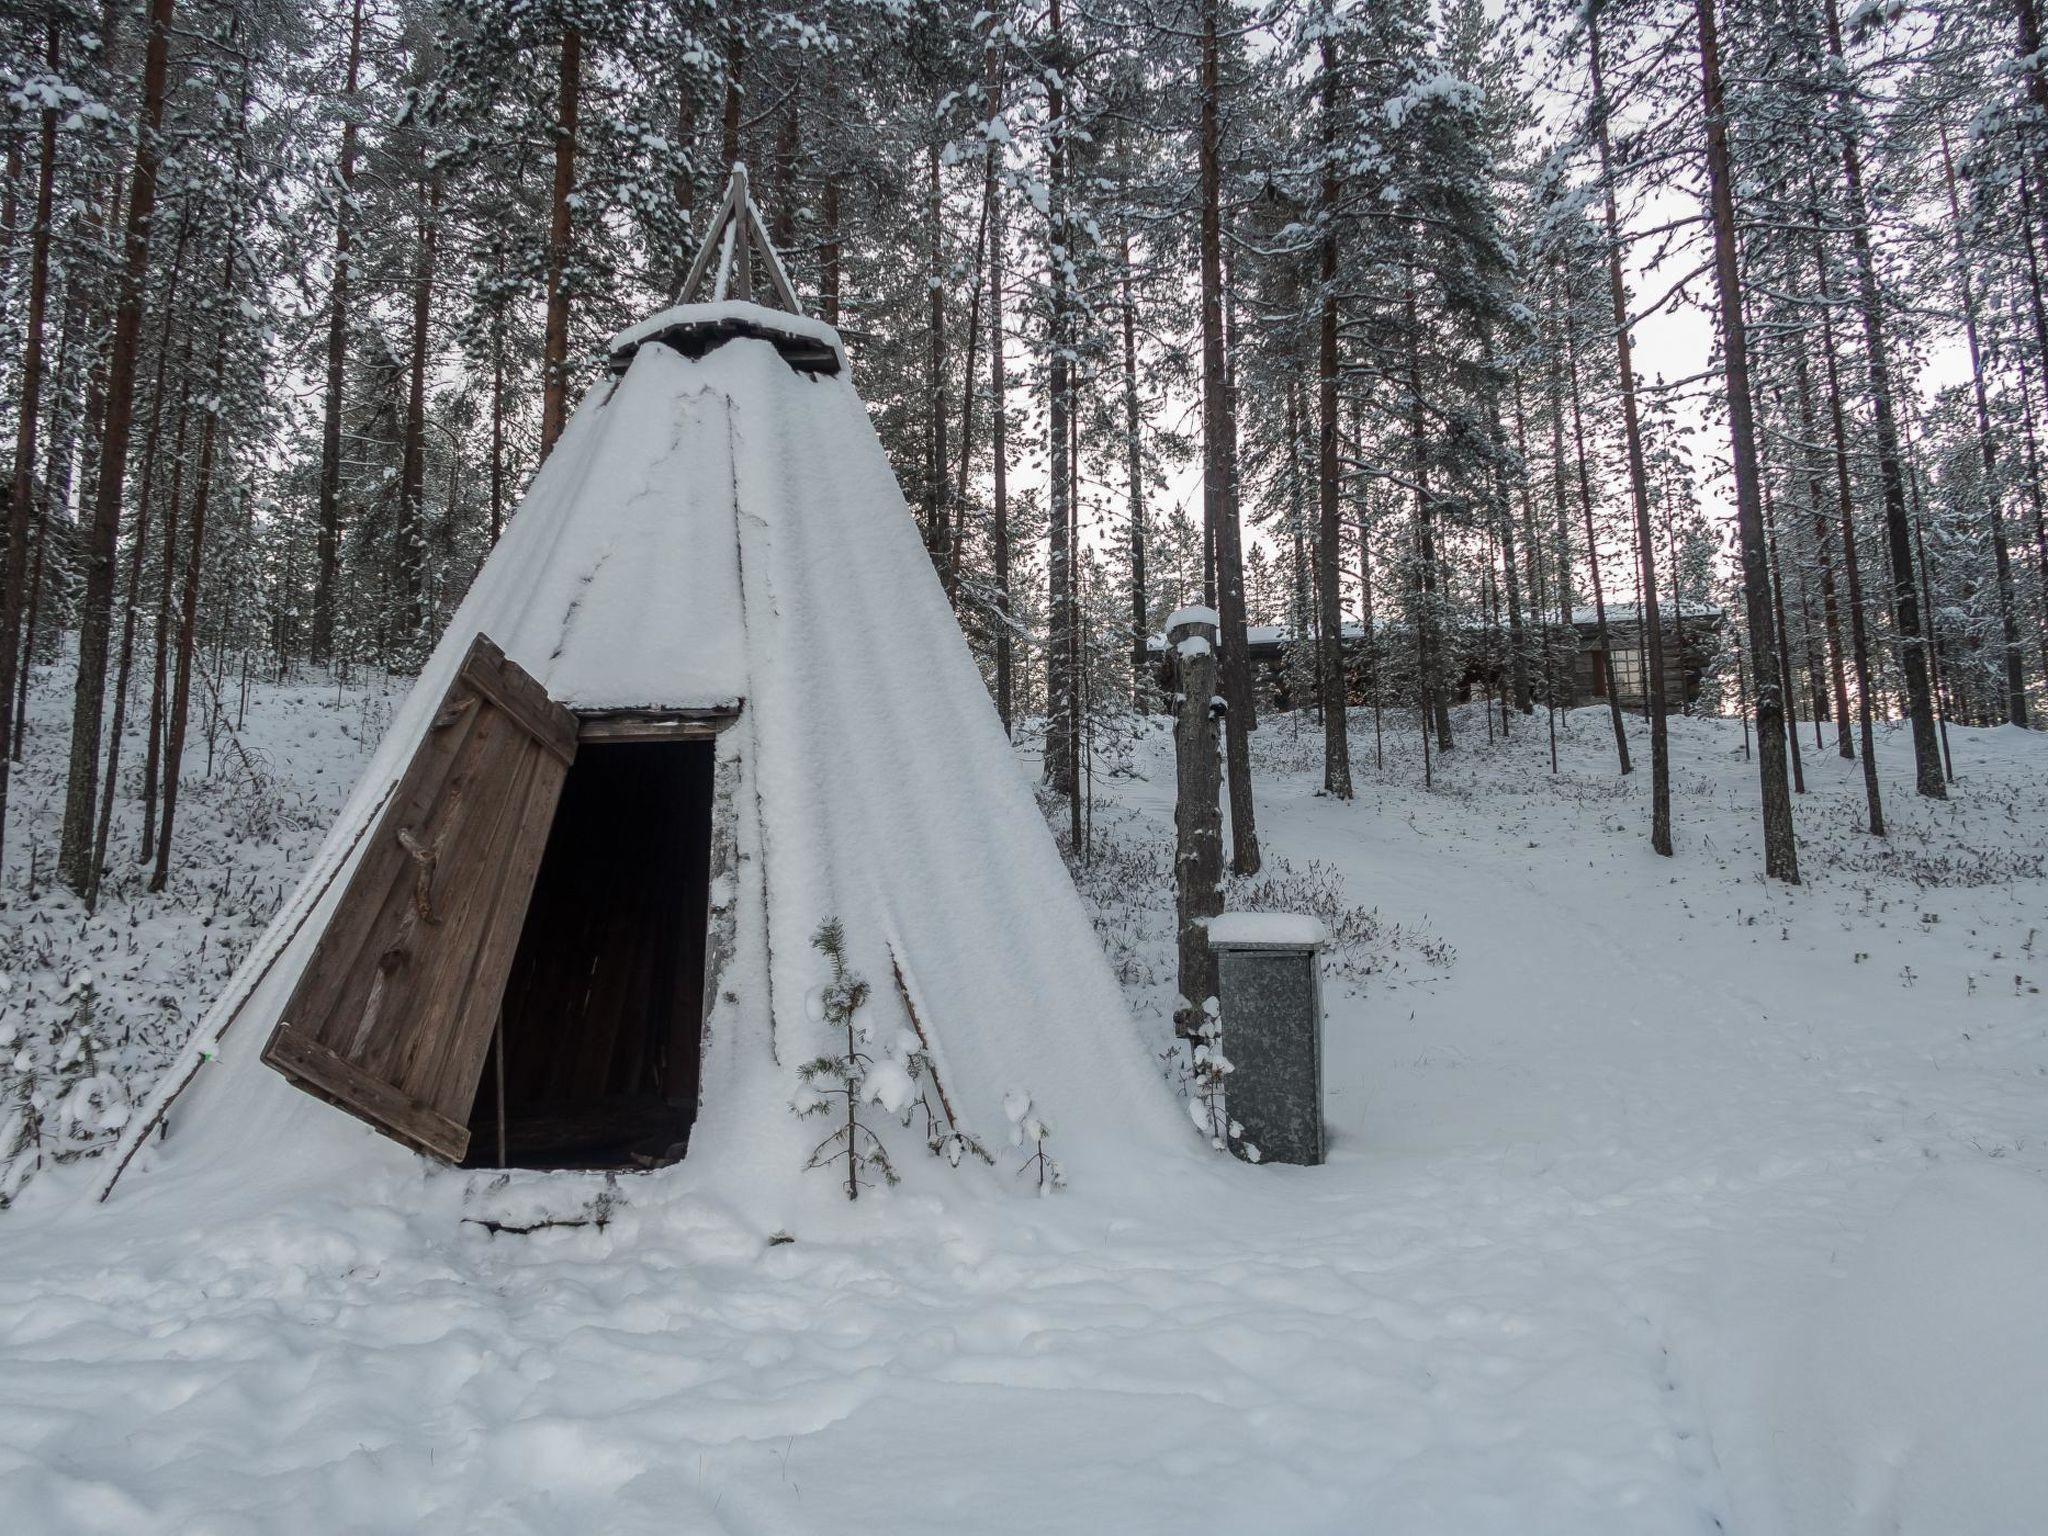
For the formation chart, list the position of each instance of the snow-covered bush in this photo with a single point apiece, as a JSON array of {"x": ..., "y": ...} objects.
[
  {"x": 1027, "y": 1129},
  {"x": 58, "y": 1099}
]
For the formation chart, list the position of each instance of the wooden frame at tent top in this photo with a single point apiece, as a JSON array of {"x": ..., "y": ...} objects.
[{"x": 739, "y": 238}]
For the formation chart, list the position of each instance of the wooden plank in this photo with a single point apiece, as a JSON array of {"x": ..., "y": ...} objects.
[
  {"x": 513, "y": 690},
  {"x": 374, "y": 894},
  {"x": 321, "y": 1072},
  {"x": 431, "y": 918},
  {"x": 403, "y": 987},
  {"x": 734, "y": 190},
  {"x": 456, "y": 1077},
  {"x": 436, "y": 988}
]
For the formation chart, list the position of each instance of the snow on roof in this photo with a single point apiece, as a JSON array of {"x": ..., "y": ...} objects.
[
  {"x": 1264, "y": 929},
  {"x": 1629, "y": 613},
  {"x": 738, "y": 315}
]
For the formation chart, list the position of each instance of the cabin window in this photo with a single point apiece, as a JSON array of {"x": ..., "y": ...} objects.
[
  {"x": 1626, "y": 667},
  {"x": 594, "y": 1060}
]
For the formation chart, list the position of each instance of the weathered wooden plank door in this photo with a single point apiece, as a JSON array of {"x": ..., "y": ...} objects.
[{"x": 393, "y": 1015}]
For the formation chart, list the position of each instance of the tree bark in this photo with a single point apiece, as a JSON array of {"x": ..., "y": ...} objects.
[
  {"x": 23, "y": 490},
  {"x": 1219, "y": 509},
  {"x": 1571, "y": 352},
  {"x": 1134, "y": 477},
  {"x": 1817, "y": 504},
  {"x": 1785, "y": 673},
  {"x": 159, "y": 696},
  {"x": 188, "y": 616},
  {"x": 1330, "y": 541},
  {"x": 96, "y": 606},
  {"x": 554, "y": 405},
  {"x": 1649, "y": 622},
  {"x": 1428, "y": 633},
  {"x": 1060, "y": 747},
  {"x": 328, "y": 560},
  {"x": 938, "y": 511},
  {"x": 2008, "y": 605},
  {"x": 1845, "y": 502},
  {"x": 1891, "y": 476},
  {"x": 999, "y": 455},
  {"x": 1504, "y": 520},
  {"x": 1781, "y": 851},
  {"x": 125, "y": 666},
  {"x": 1197, "y": 819},
  {"x": 412, "y": 520}
]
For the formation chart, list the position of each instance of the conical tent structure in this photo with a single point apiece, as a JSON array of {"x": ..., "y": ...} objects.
[{"x": 704, "y": 696}]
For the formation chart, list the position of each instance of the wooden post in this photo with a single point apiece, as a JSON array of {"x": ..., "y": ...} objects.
[{"x": 1197, "y": 816}]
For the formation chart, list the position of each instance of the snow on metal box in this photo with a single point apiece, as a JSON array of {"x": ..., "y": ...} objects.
[{"x": 1272, "y": 1008}]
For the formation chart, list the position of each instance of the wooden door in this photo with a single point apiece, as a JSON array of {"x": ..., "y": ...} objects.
[{"x": 393, "y": 1015}]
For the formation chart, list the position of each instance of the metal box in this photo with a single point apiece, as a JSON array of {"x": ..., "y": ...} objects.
[{"x": 1269, "y": 989}]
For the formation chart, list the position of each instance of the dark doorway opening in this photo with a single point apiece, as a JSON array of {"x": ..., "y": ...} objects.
[{"x": 596, "y": 1058}]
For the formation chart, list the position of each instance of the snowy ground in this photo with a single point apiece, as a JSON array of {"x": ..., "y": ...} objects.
[{"x": 1659, "y": 1200}]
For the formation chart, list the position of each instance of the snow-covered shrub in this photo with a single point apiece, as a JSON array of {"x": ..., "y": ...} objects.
[
  {"x": 58, "y": 1100},
  {"x": 1208, "y": 1103},
  {"x": 1028, "y": 1129},
  {"x": 1358, "y": 940}
]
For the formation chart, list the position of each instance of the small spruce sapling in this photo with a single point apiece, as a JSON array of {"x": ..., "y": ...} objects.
[
  {"x": 1026, "y": 1128},
  {"x": 849, "y": 1076},
  {"x": 1208, "y": 1108}
]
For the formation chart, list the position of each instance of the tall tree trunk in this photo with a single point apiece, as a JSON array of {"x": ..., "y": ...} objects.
[
  {"x": 1785, "y": 673},
  {"x": 159, "y": 696},
  {"x": 96, "y": 607},
  {"x": 1059, "y": 745},
  {"x": 2008, "y": 605},
  {"x": 1428, "y": 632},
  {"x": 735, "y": 88},
  {"x": 1198, "y": 833},
  {"x": 554, "y": 403},
  {"x": 828, "y": 244},
  {"x": 1566, "y": 690},
  {"x": 497, "y": 429},
  {"x": 937, "y": 509},
  {"x": 1571, "y": 353},
  {"x": 1330, "y": 533},
  {"x": 188, "y": 613},
  {"x": 125, "y": 666},
  {"x": 1649, "y": 622},
  {"x": 999, "y": 456},
  {"x": 1234, "y": 667},
  {"x": 2035, "y": 500},
  {"x": 1891, "y": 475},
  {"x": 970, "y": 387},
  {"x": 1927, "y": 607},
  {"x": 2027, "y": 14},
  {"x": 1816, "y": 500},
  {"x": 412, "y": 518},
  {"x": 1781, "y": 851},
  {"x": 1134, "y": 478},
  {"x": 1504, "y": 527},
  {"x": 1845, "y": 502},
  {"x": 1219, "y": 498},
  {"x": 22, "y": 493},
  {"x": 328, "y": 560}
]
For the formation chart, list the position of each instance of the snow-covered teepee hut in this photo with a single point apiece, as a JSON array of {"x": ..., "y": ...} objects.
[{"x": 704, "y": 697}]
